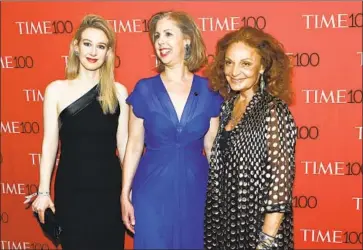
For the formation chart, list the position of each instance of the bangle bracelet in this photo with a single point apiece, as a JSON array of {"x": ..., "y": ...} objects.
[{"x": 266, "y": 241}]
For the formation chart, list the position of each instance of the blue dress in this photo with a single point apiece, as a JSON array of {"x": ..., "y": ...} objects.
[{"x": 169, "y": 187}]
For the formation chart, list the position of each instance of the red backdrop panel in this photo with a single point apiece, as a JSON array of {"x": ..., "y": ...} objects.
[{"x": 323, "y": 39}]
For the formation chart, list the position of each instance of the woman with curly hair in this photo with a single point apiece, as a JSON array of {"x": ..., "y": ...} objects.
[{"x": 253, "y": 158}]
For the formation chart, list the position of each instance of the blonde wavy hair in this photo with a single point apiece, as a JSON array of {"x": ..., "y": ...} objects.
[{"x": 107, "y": 97}]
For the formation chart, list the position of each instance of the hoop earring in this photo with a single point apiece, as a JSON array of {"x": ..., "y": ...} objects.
[
  {"x": 187, "y": 51},
  {"x": 228, "y": 88},
  {"x": 262, "y": 83}
]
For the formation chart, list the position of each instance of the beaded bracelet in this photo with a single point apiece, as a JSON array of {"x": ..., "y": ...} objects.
[
  {"x": 28, "y": 198},
  {"x": 44, "y": 193}
]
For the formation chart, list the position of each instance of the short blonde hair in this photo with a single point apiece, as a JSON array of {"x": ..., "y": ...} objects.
[{"x": 188, "y": 27}]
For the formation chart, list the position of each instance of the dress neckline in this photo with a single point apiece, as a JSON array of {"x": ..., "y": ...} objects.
[
  {"x": 170, "y": 103},
  {"x": 230, "y": 105}
]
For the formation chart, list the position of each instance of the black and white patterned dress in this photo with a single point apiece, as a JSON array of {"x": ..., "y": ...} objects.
[{"x": 252, "y": 173}]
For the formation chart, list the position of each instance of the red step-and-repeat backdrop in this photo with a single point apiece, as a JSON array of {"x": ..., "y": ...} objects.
[{"x": 323, "y": 40}]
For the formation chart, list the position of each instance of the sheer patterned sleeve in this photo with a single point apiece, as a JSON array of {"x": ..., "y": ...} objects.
[
  {"x": 281, "y": 141},
  {"x": 137, "y": 100}
]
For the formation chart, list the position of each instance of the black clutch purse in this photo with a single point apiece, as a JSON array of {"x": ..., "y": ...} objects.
[{"x": 51, "y": 228}]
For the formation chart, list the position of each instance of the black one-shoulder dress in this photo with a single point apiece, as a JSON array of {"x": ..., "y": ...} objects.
[{"x": 88, "y": 179}]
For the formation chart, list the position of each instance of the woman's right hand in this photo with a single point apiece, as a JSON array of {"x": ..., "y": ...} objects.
[
  {"x": 128, "y": 216},
  {"x": 40, "y": 204}
]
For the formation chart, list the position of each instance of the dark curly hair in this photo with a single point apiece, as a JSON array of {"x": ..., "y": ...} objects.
[{"x": 278, "y": 69}]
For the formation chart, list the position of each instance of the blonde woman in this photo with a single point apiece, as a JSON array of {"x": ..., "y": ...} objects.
[
  {"x": 174, "y": 114},
  {"x": 87, "y": 114}
]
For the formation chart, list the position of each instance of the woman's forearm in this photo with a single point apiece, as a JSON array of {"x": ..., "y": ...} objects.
[
  {"x": 272, "y": 223},
  {"x": 130, "y": 164},
  {"x": 49, "y": 153}
]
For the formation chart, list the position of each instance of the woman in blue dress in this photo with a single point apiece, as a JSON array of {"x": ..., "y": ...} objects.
[{"x": 175, "y": 116}]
